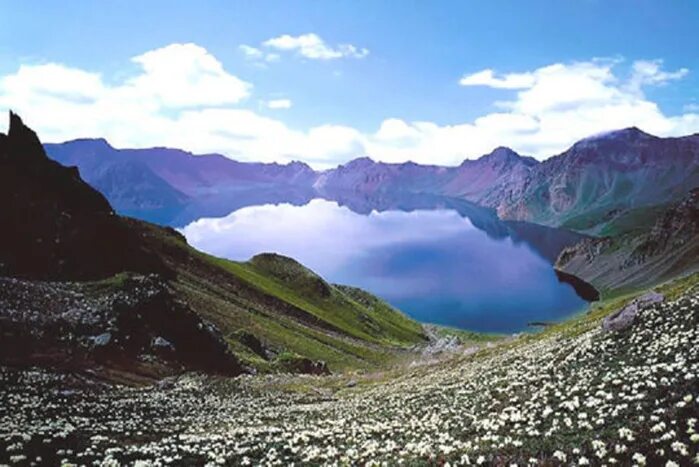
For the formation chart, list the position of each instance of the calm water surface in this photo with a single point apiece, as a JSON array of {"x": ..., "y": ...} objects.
[{"x": 433, "y": 264}]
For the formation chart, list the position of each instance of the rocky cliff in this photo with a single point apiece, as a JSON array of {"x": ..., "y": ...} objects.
[{"x": 668, "y": 249}]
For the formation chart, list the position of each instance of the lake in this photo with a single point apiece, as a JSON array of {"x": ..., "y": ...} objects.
[{"x": 440, "y": 262}]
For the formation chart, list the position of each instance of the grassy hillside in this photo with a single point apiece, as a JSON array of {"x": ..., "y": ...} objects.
[{"x": 289, "y": 309}]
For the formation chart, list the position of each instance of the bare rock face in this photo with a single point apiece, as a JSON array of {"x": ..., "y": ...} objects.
[{"x": 625, "y": 317}]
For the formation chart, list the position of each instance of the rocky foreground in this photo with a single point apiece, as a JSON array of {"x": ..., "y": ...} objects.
[{"x": 574, "y": 395}]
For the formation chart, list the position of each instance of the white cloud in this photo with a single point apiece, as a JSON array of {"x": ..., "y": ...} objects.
[
  {"x": 183, "y": 97},
  {"x": 258, "y": 55},
  {"x": 487, "y": 78},
  {"x": 313, "y": 47},
  {"x": 184, "y": 75},
  {"x": 279, "y": 104},
  {"x": 649, "y": 72},
  {"x": 554, "y": 106},
  {"x": 250, "y": 51}
]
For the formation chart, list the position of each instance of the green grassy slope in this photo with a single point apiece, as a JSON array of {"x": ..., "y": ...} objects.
[{"x": 285, "y": 306}]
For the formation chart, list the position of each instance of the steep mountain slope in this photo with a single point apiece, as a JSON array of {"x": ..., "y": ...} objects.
[
  {"x": 367, "y": 176},
  {"x": 129, "y": 183},
  {"x": 634, "y": 260},
  {"x": 601, "y": 179},
  {"x": 147, "y": 296},
  {"x": 188, "y": 173},
  {"x": 473, "y": 180},
  {"x": 56, "y": 226},
  {"x": 488, "y": 177}
]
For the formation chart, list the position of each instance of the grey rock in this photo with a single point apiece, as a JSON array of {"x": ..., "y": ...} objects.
[
  {"x": 102, "y": 339},
  {"x": 622, "y": 319},
  {"x": 162, "y": 344},
  {"x": 351, "y": 383},
  {"x": 650, "y": 298},
  {"x": 625, "y": 317}
]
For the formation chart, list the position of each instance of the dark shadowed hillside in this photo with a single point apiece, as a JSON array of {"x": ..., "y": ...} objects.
[{"x": 57, "y": 226}]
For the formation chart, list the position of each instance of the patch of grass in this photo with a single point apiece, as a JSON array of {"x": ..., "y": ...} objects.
[
  {"x": 467, "y": 337},
  {"x": 633, "y": 221}
]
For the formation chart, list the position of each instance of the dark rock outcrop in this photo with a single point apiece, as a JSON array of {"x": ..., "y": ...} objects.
[
  {"x": 55, "y": 226},
  {"x": 584, "y": 290}
]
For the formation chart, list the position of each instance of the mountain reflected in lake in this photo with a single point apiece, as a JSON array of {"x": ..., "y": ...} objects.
[{"x": 435, "y": 264}]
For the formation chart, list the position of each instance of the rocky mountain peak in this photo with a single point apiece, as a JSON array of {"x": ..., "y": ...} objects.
[
  {"x": 632, "y": 132},
  {"x": 503, "y": 152},
  {"x": 21, "y": 143},
  {"x": 625, "y": 135},
  {"x": 503, "y": 156},
  {"x": 360, "y": 163}
]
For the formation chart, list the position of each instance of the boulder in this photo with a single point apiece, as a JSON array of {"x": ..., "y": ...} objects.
[
  {"x": 650, "y": 298},
  {"x": 625, "y": 317}
]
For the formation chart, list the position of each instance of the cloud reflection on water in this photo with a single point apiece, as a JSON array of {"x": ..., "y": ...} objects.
[{"x": 433, "y": 264}]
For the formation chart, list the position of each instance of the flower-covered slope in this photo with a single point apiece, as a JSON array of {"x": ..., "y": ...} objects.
[{"x": 574, "y": 395}]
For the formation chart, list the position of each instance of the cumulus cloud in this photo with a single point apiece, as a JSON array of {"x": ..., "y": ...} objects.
[
  {"x": 184, "y": 75},
  {"x": 279, "y": 104},
  {"x": 182, "y": 96},
  {"x": 313, "y": 47},
  {"x": 558, "y": 104}
]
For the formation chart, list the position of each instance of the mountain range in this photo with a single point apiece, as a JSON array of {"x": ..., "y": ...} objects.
[{"x": 597, "y": 185}]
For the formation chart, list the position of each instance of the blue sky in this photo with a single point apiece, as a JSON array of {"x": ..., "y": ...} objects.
[{"x": 367, "y": 66}]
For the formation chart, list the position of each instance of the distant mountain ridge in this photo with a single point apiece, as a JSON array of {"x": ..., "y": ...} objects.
[
  {"x": 598, "y": 180},
  {"x": 157, "y": 183}
]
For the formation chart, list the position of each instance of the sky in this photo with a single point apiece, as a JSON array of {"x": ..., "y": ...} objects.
[{"x": 326, "y": 82}]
